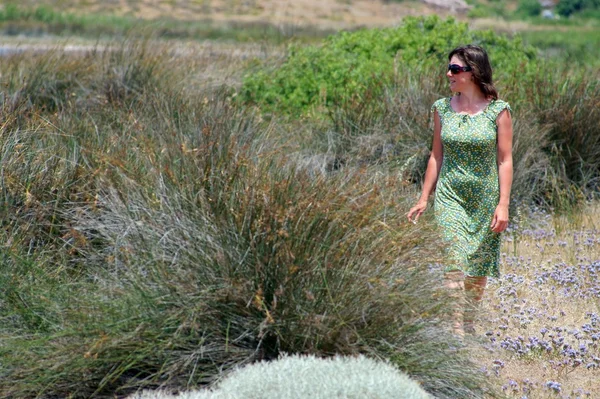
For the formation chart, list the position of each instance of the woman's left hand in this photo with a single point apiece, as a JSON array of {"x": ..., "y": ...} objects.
[{"x": 500, "y": 219}]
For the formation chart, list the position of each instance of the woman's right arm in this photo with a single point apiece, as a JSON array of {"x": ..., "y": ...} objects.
[{"x": 433, "y": 170}]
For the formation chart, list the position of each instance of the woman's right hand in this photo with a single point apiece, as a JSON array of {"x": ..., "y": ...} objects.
[{"x": 416, "y": 211}]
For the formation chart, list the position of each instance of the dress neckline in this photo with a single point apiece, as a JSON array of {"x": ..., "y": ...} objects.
[{"x": 467, "y": 114}]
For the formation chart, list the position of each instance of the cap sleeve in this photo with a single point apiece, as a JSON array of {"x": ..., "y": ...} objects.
[
  {"x": 439, "y": 105},
  {"x": 499, "y": 106}
]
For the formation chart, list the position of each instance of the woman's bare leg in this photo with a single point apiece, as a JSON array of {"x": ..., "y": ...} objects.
[
  {"x": 474, "y": 290},
  {"x": 455, "y": 282}
]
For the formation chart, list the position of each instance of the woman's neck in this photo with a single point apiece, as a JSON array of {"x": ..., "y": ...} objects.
[{"x": 472, "y": 96}]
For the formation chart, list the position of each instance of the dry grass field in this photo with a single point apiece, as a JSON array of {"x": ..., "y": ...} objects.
[{"x": 325, "y": 13}]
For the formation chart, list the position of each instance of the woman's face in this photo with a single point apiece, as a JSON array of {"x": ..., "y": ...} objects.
[{"x": 460, "y": 80}]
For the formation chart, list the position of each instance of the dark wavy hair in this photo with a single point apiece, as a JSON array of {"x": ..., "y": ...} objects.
[{"x": 477, "y": 58}]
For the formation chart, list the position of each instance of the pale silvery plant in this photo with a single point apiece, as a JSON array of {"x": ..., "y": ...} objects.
[{"x": 309, "y": 377}]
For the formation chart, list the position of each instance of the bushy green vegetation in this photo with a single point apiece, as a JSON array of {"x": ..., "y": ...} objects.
[{"x": 351, "y": 65}]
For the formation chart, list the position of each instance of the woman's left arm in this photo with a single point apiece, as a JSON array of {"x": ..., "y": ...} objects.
[{"x": 505, "y": 170}]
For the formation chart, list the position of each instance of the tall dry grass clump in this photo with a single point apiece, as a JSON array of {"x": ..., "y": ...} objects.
[
  {"x": 158, "y": 237},
  {"x": 567, "y": 106}
]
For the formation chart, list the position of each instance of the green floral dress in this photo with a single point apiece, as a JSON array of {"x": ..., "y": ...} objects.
[{"x": 467, "y": 191}]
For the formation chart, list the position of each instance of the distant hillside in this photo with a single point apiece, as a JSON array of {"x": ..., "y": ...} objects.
[{"x": 323, "y": 13}]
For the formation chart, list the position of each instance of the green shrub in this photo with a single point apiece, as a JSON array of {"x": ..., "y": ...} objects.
[
  {"x": 352, "y": 65},
  {"x": 309, "y": 377}
]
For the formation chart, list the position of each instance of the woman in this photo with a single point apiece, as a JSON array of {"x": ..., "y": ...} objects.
[{"x": 471, "y": 170}]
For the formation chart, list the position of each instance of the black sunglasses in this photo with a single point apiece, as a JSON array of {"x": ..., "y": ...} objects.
[{"x": 454, "y": 69}]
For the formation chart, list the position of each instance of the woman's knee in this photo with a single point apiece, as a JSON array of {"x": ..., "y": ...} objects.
[
  {"x": 475, "y": 286},
  {"x": 454, "y": 279}
]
